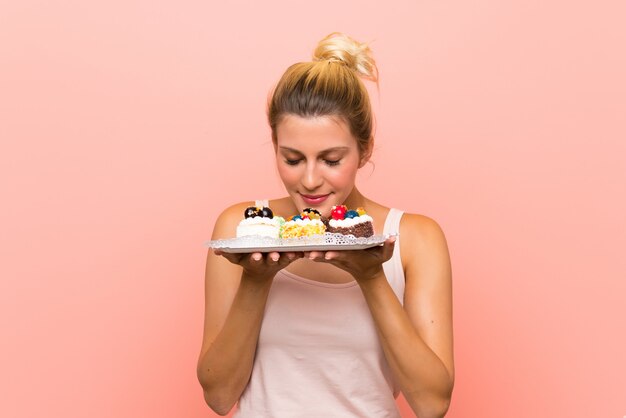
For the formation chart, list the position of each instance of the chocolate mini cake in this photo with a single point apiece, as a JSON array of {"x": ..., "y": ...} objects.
[{"x": 350, "y": 222}]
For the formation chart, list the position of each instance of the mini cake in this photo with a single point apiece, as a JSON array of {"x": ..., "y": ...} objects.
[
  {"x": 350, "y": 222},
  {"x": 260, "y": 221},
  {"x": 308, "y": 223}
]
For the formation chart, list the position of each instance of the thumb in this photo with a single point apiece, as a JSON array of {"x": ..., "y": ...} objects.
[{"x": 389, "y": 246}]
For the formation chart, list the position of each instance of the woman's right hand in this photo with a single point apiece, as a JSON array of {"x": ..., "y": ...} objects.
[{"x": 261, "y": 266}]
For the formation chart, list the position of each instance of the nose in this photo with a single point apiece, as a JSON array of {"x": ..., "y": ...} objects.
[{"x": 311, "y": 180}]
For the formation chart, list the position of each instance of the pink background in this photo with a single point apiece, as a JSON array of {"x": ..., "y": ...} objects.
[{"x": 127, "y": 126}]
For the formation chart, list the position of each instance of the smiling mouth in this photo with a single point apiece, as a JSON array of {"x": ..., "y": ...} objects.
[{"x": 308, "y": 196}]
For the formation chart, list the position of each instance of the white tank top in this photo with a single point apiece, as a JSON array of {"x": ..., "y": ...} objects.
[{"x": 318, "y": 353}]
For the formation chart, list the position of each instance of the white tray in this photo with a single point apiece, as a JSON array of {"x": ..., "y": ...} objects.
[{"x": 326, "y": 242}]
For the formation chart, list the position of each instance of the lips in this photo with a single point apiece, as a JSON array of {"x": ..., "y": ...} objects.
[{"x": 314, "y": 199}]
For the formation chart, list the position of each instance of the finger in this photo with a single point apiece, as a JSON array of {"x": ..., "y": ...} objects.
[
  {"x": 286, "y": 259},
  {"x": 389, "y": 246},
  {"x": 287, "y": 256},
  {"x": 291, "y": 256},
  {"x": 256, "y": 257},
  {"x": 316, "y": 255},
  {"x": 233, "y": 258},
  {"x": 230, "y": 256},
  {"x": 331, "y": 255},
  {"x": 297, "y": 256},
  {"x": 272, "y": 258},
  {"x": 340, "y": 259}
]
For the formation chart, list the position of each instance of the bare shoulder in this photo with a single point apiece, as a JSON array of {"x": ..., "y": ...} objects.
[
  {"x": 421, "y": 230},
  {"x": 227, "y": 221},
  {"x": 422, "y": 240}
]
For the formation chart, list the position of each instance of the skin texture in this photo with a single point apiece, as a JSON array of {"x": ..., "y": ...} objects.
[{"x": 318, "y": 156}]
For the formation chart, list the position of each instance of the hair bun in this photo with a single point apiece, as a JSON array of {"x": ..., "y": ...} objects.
[{"x": 338, "y": 47}]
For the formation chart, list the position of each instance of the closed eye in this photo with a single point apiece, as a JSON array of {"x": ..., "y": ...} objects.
[{"x": 328, "y": 162}]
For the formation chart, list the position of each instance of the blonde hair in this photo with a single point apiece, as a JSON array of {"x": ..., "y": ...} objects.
[{"x": 330, "y": 85}]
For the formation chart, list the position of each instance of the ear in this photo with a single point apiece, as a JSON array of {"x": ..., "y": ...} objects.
[{"x": 367, "y": 153}]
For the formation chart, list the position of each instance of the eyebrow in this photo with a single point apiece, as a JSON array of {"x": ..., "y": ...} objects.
[{"x": 326, "y": 151}]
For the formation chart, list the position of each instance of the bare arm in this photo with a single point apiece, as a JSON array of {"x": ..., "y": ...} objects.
[
  {"x": 236, "y": 290},
  {"x": 417, "y": 337}
]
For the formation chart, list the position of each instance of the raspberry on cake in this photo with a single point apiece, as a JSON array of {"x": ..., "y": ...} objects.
[
  {"x": 306, "y": 224},
  {"x": 350, "y": 222},
  {"x": 260, "y": 221}
]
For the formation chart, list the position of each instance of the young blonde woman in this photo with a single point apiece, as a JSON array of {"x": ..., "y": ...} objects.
[{"x": 336, "y": 333}]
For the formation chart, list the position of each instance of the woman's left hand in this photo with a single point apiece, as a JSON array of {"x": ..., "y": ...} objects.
[{"x": 361, "y": 264}]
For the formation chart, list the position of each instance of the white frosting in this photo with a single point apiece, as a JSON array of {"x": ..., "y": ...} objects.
[
  {"x": 259, "y": 225},
  {"x": 260, "y": 220},
  {"x": 347, "y": 223}
]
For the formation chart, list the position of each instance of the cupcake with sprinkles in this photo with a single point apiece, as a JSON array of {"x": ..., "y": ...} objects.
[{"x": 306, "y": 224}]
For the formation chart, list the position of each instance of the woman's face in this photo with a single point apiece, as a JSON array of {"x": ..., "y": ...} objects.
[{"x": 317, "y": 159}]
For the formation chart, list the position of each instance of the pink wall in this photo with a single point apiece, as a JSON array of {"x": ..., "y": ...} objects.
[{"x": 127, "y": 126}]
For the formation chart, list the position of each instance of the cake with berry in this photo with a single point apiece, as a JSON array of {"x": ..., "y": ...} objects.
[
  {"x": 306, "y": 224},
  {"x": 350, "y": 222},
  {"x": 260, "y": 220}
]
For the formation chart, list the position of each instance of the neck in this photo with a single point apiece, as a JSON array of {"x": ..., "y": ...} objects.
[{"x": 356, "y": 199}]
